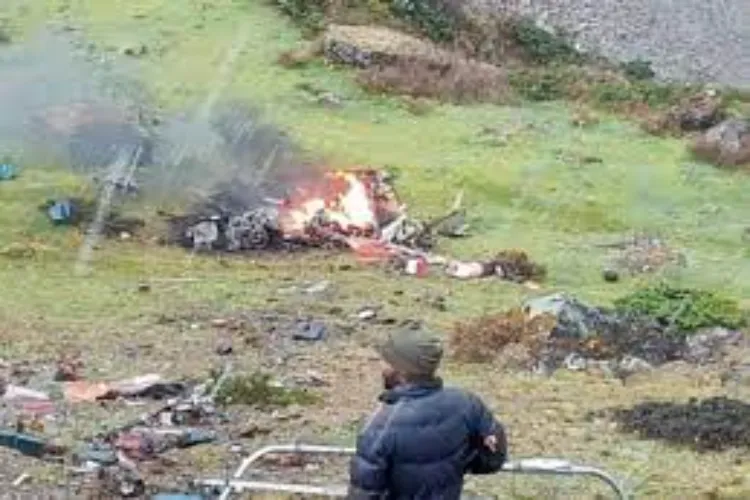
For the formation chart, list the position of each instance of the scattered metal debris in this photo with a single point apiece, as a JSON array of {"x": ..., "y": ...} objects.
[{"x": 146, "y": 386}]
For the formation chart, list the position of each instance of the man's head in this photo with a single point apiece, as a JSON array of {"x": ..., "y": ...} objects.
[{"x": 410, "y": 356}]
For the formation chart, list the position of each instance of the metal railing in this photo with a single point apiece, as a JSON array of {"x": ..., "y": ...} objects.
[{"x": 540, "y": 466}]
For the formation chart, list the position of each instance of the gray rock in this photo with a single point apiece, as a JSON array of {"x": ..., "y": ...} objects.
[
  {"x": 709, "y": 344},
  {"x": 727, "y": 143}
]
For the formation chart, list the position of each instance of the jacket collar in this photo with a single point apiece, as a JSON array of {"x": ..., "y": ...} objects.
[{"x": 411, "y": 391}]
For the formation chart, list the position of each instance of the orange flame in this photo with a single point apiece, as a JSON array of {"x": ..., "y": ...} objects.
[{"x": 342, "y": 203}]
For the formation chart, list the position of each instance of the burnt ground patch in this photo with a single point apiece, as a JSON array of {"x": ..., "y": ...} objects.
[{"x": 713, "y": 424}]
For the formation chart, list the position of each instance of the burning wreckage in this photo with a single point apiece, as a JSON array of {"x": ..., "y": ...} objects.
[
  {"x": 338, "y": 209},
  {"x": 356, "y": 209}
]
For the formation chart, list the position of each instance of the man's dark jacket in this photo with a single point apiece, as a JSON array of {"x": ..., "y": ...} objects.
[{"x": 421, "y": 442}]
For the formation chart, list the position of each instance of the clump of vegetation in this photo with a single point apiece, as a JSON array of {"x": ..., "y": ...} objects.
[
  {"x": 540, "y": 85},
  {"x": 685, "y": 309},
  {"x": 651, "y": 94},
  {"x": 308, "y": 14},
  {"x": 543, "y": 47},
  {"x": 638, "y": 70},
  {"x": 435, "y": 18},
  {"x": 603, "y": 88},
  {"x": 5, "y": 37},
  {"x": 258, "y": 389},
  {"x": 301, "y": 56},
  {"x": 482, "y": 339},
  {"x": 698, "y": 112},
  {"x": 456, "y": 80},
  {"x": 518, "y": 267}
]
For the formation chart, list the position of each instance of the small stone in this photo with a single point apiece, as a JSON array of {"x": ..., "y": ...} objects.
[
  {"x": 254, "y": 429},
  {"x": 312, "y": 331},
  {"x": 366, "y": 314},
  {"x": 318, "y": 287},
  {"x": 610, "y": 275},
  {"x": 336, "y": 311},
  {"x": 224, "y": 347},
  {"x": 134, "y": 50}
]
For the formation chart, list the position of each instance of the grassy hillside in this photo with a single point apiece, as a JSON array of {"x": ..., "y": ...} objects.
[{"x": 531, "y": 185}]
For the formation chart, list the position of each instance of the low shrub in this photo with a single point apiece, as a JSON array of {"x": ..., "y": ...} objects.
[
  {"x": 638, "y": 70},
  {"x": 310, "y": 15},
  {"x": 687, "y": 310},
  {"x": 258, "y": 389},
  {"x": 437, "y": 19},
  {"x": 483, "y": 338},
  {"x": 540, "y": 84},
  {"x": 542, "y": 46},
  {"x": 5, "y": 36},
  {"x": 455, "y": 80}
]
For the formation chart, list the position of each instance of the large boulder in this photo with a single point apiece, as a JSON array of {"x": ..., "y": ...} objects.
[
  {"x": 726, "y": 144},
  {"x": 367, "y": 46},
  {"x": 393, "y": 62}
]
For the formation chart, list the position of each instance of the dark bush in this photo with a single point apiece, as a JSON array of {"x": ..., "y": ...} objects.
[
  {"x": 435, "y": 18},
  {"x": 542, "y": 46},
  {"x": 540, "y": 85},
  {"x": 308, "y": 14},
  {"x": 687, "y": 310},
  {"x": 5, "y": 37},
  {"x": 638, "y": 69},
  {"x": 257, "y": 389}
]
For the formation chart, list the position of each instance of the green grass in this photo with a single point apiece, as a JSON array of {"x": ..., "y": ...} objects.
[{"x": 534, "y": 191}]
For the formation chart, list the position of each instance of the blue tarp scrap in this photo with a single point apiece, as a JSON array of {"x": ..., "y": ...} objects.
[
  {"x": 62, "y": 211},
  {"x": 310, "y": 331},
  {"x": 26, "y": 444},
  {"x": 8, "y": 171}
]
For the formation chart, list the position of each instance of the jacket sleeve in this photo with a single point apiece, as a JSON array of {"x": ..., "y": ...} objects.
[
  {"x": 482, "y": 425},
  {"x": 368, "y": 471},
  {"x": 481, "y": 421}
]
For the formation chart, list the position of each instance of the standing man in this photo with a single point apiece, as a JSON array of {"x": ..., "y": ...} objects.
[{"x": 424, "y": 437}]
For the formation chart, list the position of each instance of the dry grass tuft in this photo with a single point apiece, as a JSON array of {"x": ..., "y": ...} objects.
[
  {"x": 483, "y": 338},
  {"x": 517, "y": 266},
  {"x": 301, "y": 56},
  {"x": 694, "y": 113},
  {"x": 453, "y": 79}
]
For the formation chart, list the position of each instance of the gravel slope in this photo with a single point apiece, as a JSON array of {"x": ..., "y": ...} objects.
[{"x": 688, "y": 40}]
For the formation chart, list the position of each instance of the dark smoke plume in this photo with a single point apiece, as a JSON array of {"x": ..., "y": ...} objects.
[{"x": 65, "y": 103}]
